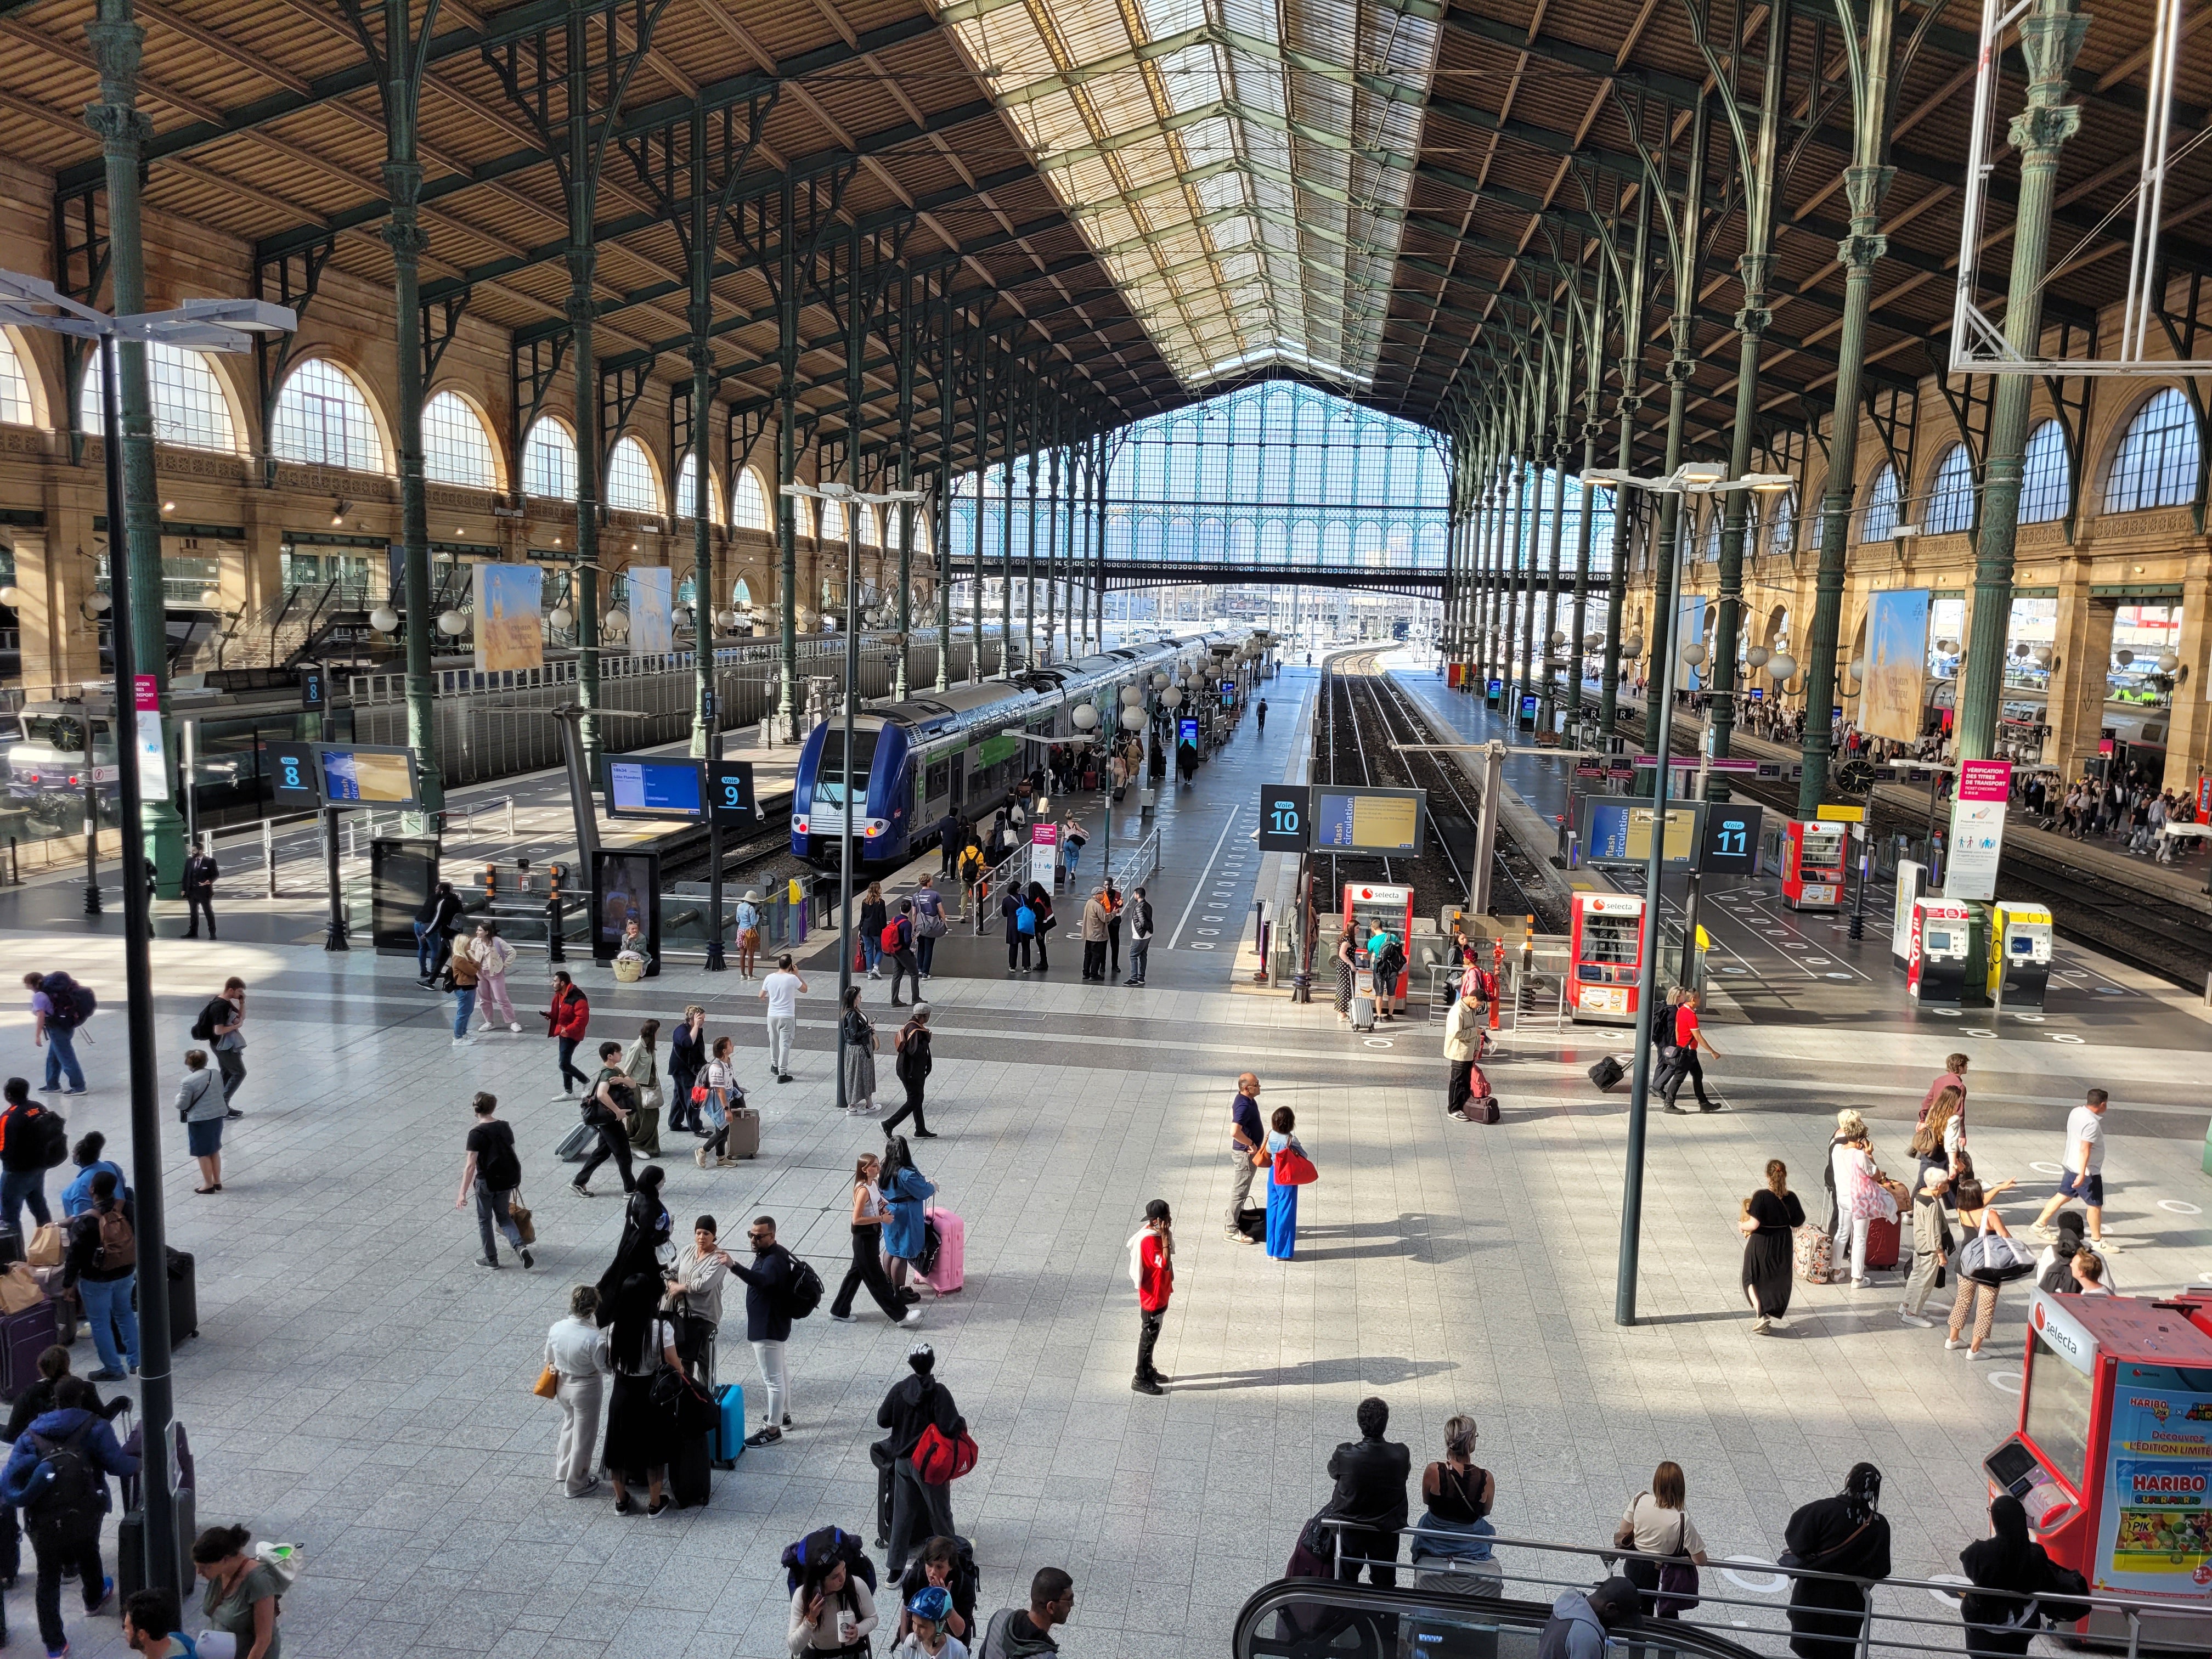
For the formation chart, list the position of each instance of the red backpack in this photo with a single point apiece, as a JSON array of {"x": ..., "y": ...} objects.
[{"x": 890, "y": 940}]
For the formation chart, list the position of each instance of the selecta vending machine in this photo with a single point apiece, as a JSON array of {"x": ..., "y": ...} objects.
[
  {"x": 1812, "y": 864},
  {"x": 1368, "y": 905},
  {"x": 1605, "y": 942},
  {"x": 2113, "y": 1458}
]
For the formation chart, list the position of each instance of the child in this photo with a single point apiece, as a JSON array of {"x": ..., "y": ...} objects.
[{"x": 926, "y": 1637}]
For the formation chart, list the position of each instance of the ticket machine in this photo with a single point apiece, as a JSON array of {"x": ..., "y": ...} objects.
[
  {"x": 1812, "y": 855},
  {"x": 1605, "y": 947},
  {"x": 2019, "y": 956},
  {"x": 1940, "y": 960},
  {"x": 1367, "y": 906},
  {"x": 2113, "y": 1458}
]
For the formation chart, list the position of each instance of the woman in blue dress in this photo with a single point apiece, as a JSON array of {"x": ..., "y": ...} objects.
[
  {"x": 905, "y": 1229},
  {"x": 1282, "y": 1199}
]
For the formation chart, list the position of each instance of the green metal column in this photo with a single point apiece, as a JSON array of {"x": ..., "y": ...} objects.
[
  {"x": 1006, "y": 522},
  {"x": 700, "y": 314},
  {"x": 786, "y": 472},
  {"x": 2050, "y": 38},
  {"x": 942, "y": 545},
  {"x": 1052, "y": 540},
  {"x": 583, "y": 172},
  {"x": 1527, "y": 502},
  {"x": 1687, "y": 235},
  {"x": 1750, "y": 324},
  {"x": 981, "y": 465},
  {"x": 1028, "y": 581},
  {"x": 1098, "y": 543},
  {"x": 1585, "y": 524},
  {"x": 1557, "y": 449},
  {"x": 909, "y": 316},
  {"x": 1865, "y": 181},
  {"x": 118, "y": 42},
  {"x": 1631, "y": 399}
]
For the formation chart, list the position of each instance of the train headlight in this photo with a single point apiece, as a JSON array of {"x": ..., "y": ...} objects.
[{"x": 798, "y": 822}]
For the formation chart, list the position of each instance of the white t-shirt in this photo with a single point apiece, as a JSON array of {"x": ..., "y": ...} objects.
[
  {"x": 782, "y": 990},
  {"x": 2085, "y": 1127}
]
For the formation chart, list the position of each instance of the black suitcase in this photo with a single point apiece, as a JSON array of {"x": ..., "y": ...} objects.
[
  {"x": 692, "y": 1470},
  {"x": 1607, "y": 1074},
  {"x": 184, "y": 1297},
  {"x": 883, "y": 1506},
  {"x": 130, "y": 1547},
  {"x": 11, "y": 1247}
]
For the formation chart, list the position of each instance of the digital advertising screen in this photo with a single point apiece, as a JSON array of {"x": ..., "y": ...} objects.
[
  {"x": 371, "y": 777},
  {"x": 1389, "y": 822},
  {"x": 654, "y": 786}
]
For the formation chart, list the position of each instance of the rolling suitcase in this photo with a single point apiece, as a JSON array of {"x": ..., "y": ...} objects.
[
  {"x": 184, "y": 1297},
  {"x": 1883, "y": 1242},
  {"x": 690, "y": 1470},
  {"x": 745, "y": 1133},
  {"x": 1607, "y": 1074},
  {"x": 729, "y": 1430},
  {"x": 23, "y": 1337},
  {"x": 576, "y": 1145},
  {"x": 947, "y": 1270}
]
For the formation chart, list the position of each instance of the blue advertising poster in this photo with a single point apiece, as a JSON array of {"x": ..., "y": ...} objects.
[
  {"x": 1186, "y": 730},
  {"x": 2155, "y": 1529},
  {"x": 1691, "y": 632},
  {"x": 1497, "y": 690}
]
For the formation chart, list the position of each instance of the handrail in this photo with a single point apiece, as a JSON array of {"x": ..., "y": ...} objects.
[{"x": 996, "y": 876}]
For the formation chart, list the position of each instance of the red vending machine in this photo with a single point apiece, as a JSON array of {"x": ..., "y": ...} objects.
[
  {"x": 1813, "y": 856},
  {"x": 2113, "y": 1458},
  {"x": 1605, "y": 946},
  {"x": 1366, "y": 906}
]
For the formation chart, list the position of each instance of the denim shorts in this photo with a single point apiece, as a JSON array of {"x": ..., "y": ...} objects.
[{"x": 2089, "y": 1189}]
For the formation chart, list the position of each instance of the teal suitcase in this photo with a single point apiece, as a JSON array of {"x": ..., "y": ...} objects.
[{"x": 729, "y": 1431}]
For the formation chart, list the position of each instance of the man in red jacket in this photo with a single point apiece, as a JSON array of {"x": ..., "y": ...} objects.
[{"x": 1151, "y": 1265}]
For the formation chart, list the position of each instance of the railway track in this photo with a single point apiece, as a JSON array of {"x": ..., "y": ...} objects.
[
  {"x": 2087, "y": 906},
  {"x": 1365, "y": 715}
]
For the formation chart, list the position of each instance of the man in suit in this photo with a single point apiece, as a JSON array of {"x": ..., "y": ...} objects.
[{"x": 1370, "y": 1475}]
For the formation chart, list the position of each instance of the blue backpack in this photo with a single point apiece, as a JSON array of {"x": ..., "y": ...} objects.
[{"x": 1025, "y": 921}]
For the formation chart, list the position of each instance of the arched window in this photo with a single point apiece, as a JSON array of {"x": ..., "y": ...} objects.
[
  {"x": 631, "y": 487},
  {"x": 802, "y": 515},
  {"x": 455, "y": 449},
  {"x": 1712, "y": 543},
  {"x": 749, "y": 504},
  {"x": 321, "y": 418},
  {"x": 15, "y": 386},
  {"x": 189, "y": 408},
  {"x": 2046, "y": 486},
  {"x": 548, "y": 461},
  {"x": 833, "y": 522},
  {"x": 1784, "y": 537},
  {"x": 1879, "y": 522},
  {"x": 869, "y": 535},
  {"x": 2157, "y": 463},
  {"x": 741, "y": 593},
  {"x": 687, "y": 491},
  {"x": 1951, "y": 497}
]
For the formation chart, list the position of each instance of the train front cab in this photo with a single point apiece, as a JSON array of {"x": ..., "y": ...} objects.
[
  {"x": 2112, "y": 1457},
  {"x": 882, "y": 753}
]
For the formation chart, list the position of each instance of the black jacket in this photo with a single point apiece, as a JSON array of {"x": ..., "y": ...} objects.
[
  {"x": 22, "y": 1139},
  {"x": 200, "y": 872},
  {"x": 442, "y": 910},
  {"x": 1370, "y": 1478},
  {"x": 913, "y": 1062},
  {"x": 914, "y": 1403},
  {"x": 767, "y": 1284},
  {"x": 80, "y": 1260}
]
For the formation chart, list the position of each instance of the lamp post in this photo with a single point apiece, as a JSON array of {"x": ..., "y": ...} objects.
[
  {"x": 206, "y": 325},
  {"x": 853, "y": 498},
  {"x": 1691, "y": 478}
]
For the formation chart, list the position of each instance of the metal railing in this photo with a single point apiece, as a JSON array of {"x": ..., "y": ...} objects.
[
  {"x": 1741, "y": 1600},
  {"x": 1137, "y": 865},
  {"x": 1012, "y": 867}
]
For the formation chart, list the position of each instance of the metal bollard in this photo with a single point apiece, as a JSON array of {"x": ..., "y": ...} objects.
[
  {"x": 553, "y": 951},
  {"x": 510, "y": 817},
  {"x": 269, "y": 854}
]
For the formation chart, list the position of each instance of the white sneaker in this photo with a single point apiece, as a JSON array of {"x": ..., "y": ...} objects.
[
  {"x": 514, "y": 1025},
  {"x": 465, "y": 1042},
  {"x": 1979, "y": 1353},
  {"x": 2107, "y": 1244},
  {"x": 1760, "y": 1323},
  {"x": 1912, "y": 1318},
  {"x": 1953, "y": 1342}
]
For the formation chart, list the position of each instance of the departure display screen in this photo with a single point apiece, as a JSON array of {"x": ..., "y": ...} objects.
[{"x": 648, "y": 787}]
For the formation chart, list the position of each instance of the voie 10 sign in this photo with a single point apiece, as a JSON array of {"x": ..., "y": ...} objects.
[{"x": 1285, "y": 811}]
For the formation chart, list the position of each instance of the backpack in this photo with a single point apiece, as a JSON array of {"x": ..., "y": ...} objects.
[
  {"x": 217, "y": 1012},
  {"x": 890, "y": 940},
  {"x": 931, "y": 1242},
  {"x": 49, "y": 1130},
  {"x": 825, "y": 1544},
  {"x": 73, "y": 1004},
  {"x": 65, "y": 1498},
  {"x": 1025, "y": 921},
  {"x": 803, "y": 1295},
  {"x": 119, "y": 1245}
]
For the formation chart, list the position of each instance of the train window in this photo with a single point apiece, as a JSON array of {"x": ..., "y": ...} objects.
[
  {"x": 830, "y": 775},
  {"x": 938, "y": 781}
]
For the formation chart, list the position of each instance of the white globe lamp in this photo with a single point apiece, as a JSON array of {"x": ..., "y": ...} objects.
[
  {"x": 1083, "y": 718},
  {"x": 452, "y": 624},
  {"x": 383, "y": 619}
]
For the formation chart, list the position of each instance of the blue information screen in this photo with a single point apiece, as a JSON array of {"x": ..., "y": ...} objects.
[
  {"x": 1497, "y": 688},
  {"x": 1187, "y": 731},
  {"x": 1529, "y": 705},
  {"x": 1228, "y": 693},
  {"x": 640, "y": 787}
]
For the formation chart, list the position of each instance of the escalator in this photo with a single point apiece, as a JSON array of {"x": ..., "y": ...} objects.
[{"x": 1328, "y": 1618}]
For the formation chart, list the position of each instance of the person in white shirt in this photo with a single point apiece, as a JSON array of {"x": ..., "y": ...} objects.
[
  {"x": 2084, "y": 1171},
  {"x": 701, "y": 1267},
  {"x": 831, "y": 1611},
  {"x": 779, "y": 990},
  {"x": 493, "y": 956},
  {"x": 576, "y": 1348}
]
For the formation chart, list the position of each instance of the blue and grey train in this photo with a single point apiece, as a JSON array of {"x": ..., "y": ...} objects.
[{"x": 950, "y": 750}]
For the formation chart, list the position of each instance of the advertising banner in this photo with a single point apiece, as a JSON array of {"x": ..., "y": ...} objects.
[
  {"x": 1978, "y": 822},
  {"x": 510, "y": 630},
  {"x": 1896, "y": 665},
  {"x": 1691, "y": 631},
  {"x": 153, "y": 757},
  {"x": 1044, "y": 854},
  {"x": 2155, "y": 1529},
  {"x": 652, "y": 610}
]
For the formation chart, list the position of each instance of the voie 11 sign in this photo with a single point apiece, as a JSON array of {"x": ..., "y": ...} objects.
[
  {"x": 655, "y": 786},
  {"x": 1728, "y": 845}
]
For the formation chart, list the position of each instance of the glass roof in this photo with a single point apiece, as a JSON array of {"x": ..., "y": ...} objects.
[{"x": 1240, "y": 166}]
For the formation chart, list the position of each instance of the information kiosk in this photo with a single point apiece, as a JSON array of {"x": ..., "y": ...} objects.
[
  {"x": 1605, "y": 942},
  {"x": 1813, "y": 865},
  {"x": 2113, "y": 1458}
]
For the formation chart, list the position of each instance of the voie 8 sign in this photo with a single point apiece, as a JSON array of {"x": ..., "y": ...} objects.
[{"x": 1729, "y": 843}]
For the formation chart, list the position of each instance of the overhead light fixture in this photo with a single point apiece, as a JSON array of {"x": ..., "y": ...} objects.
[
  {"x": 339, "y": 508},
  {"x": 1700, "y": 473},
  {"x": 168, "y": 507}
]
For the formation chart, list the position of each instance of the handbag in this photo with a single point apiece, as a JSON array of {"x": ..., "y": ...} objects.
[
  {"x": 548, "y": 1384},
  {"x": 520, "y": 1213},
  {"x": 940, "y": 1461},
  {"x": 1294, "y": 1169},
  {"x": 1992, "y": 1259},
  {"x": 1678, "y": 1578}
]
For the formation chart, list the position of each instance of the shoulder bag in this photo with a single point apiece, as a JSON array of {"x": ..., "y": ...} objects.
[
  {"x": 1294, "y": 1169},
  {"x": 548, "y": 1384},
  {"x": 1678, "y": 1578}
]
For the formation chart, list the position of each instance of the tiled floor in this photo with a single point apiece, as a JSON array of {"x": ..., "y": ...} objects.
[{"x": 361, "y": 1388}]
